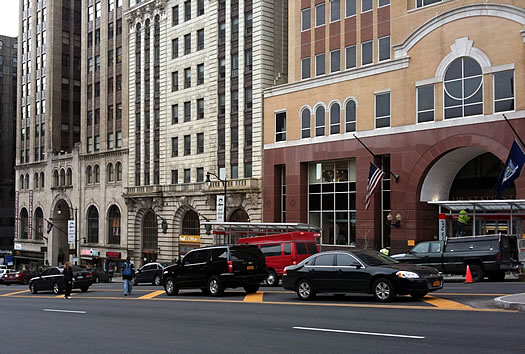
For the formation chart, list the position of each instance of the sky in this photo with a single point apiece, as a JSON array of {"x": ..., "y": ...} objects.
[{"x": 9, "y": 18}]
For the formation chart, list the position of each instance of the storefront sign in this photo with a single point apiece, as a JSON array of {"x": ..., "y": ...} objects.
[
  {"x": 18, "y": 246},
  {"x": 71, "y": 228},
  {"x": 442, "y": 227},
  {"x": 411, "y": 242},
  {"x": 113, "y": 255},
  {"x": 220, "y": 208},
  {"x": 190, "y": 238},
  {"x": 91, "y": 252}
]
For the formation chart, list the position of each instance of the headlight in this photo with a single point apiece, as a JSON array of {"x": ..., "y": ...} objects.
[{"x": 407, "y": 275}]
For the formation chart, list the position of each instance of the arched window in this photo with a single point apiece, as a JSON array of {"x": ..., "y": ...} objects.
[
  {"x": 463, "y": 88},
  {"x": 62, "y": 177},
  {"x": 239, "y": 215},
  {"x": 55, "y": 178},
  {"x": 147, "y": 30},
  {"x": 69, "y": 177},
  {"x": 96, "y": 173},
  {"x": 22, "y": 182},
  {"x": 119, "y": 171},
  {"x": 350, "y": 116},
  {"x": 24, "y": 224},
  {"x": 114, "y": 225},
  {"x": 157, "y": 25},
  {"x": 319, "y": 121},
  {"x": 306, "y": 123},
  {"x": 39, "y": 224},
  {"x": 89, "y": 175},
  {"x": 42, "y": 180},
  {"x": 150, "y": 232},
  {"x": 27, "y": 181},
  {"x": 335, "y": 119},
  {"x": 110, "y": 172},
  {"x": 191, "y": 224},
  {"x": 92, "y": 224},
  {"x": 35, "y": 181}
]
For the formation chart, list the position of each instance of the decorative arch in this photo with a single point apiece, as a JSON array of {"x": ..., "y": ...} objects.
[
  {"x": 305, "y": 114},
  {"x": 92, "y": 224},
  {"x": 89, "y": 175},
  {"x": 55, "y": 178},
  {"x": 24, "y": 224},
  {"x": 335, "y": 117},
  {"x": 463, "y": 47},
  {"x": 27, "y": 180},
  {"x": 118, "y": 171},
  {"x": 109, "y": 172},
  {"x": 350, "y": 109},
  {"x": 22, "y": 182},
  {"x": 320, "y": 119},
  {"x": 69, "y": 177},
  {"x": 35, "y": 180},
  {"x": 114, "y": 225},
  {"x": 42, "y": 180},
  {"x": 96, "y": 174},
  {"x": 239, "y": 215},
  {"x": 39, "y": 224}
]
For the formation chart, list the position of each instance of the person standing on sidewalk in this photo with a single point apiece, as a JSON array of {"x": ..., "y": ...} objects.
[
  {"x": 68, "y": 279},
  {"x": 128, "y": 273}
]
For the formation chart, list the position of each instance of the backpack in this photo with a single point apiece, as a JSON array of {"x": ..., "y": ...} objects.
[{"x": 127, "y": 269}]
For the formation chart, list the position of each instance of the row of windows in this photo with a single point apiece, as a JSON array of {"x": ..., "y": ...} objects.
[
  {"x": 38, "y": 181},
  {"x": 187, "y": 78},
  {"x": 199, "y": 173},
  {"x": 175, "y": 16},
  {"x": 94, "y": 63},
  {"x": 187, "y": 44},
  {"x": 111, "y": 33},
  {"x": 113, "y": 173},
  {"x": 187, "y": 111},
  {"x": 187, "y": 145},
  {"x": 96, "y": 10}
]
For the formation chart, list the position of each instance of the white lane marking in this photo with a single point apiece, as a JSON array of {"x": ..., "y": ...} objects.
[
  {"x": 356, "y": 332},
  {"x": 66, "y": 311}
]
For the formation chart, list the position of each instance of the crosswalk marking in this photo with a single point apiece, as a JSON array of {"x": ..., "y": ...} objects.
[
  {"x": 151, "y": 295},
  {"x": 445, "y": 304},
  {"x": 257, "y": 297},
  {"x": 15, "y": 293}
]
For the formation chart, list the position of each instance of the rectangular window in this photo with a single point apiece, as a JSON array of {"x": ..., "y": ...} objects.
[
  {"x": 200, "y": 74},
  {"x": 234, "y": 138},
  {"x": 248, "y": 98},
  {"x": 118, "y": 143},
  {"x": 247, "y": 170},
  {"x": 504, "y": 91},
  {"x": 381, "y": 3},
  {"x": 222, "y": 32},
  {"x": 175, "y": 15},
  {"x": 119, "y": 55},
  {"x": 98, "y": 10},
  {"x": 200, "y": 39},
  {"x": 350, "y": 57},
  {"x": 382, "y": 110},
  {"x": 97, "y": 142},
  {"x": 174, "y": 114},
  {"x": 350, "y": 8},
  {"x": 200, "y": 7},
  {"x": 384, "y": 48},
  {"x": 235, "y": 28},
  {"x": 306, "y": 19},
  {"x": 119, "y": 27},
  {"x": 174, "y": 176},
  {"x": 366, "y": 5},
  {"x": 235, "y": 171},
  {"x": 235, "y": 100},
  {"x": 425, "y": 103},
  {"x": 248, "y": 23},
  {"x": 235, "y": 65},
  {"x": 335, "y": 10},
  {"x": 280, "y": 126},
  {"x": 187, "y": 111},
  {"x": 421, "y": 3},
  {"x": 367, "y": 53},
  {"x": 187, "y": 175},
  {"x": 335, "y": 61},
  {"x": 110, "y": 141},
  {"x": 306, "y": 68},
  {"x": 187, "y": 43},
  {"x": 187, "y": 77},
  {"x": 174, "y": 147},
  {"x": 200, "y": 174},
  {"x": 174, "y": 81},
  {"x": 187, "y": 10},
  {"x": 90, "y": 13},
  {"x": 248, "y": 59},
  {"x": 200, "y": 108},
  {"x": 200, "y": 143},
  {"x": 174, "y": 48},
  {"x": 319, "y": 15},
  {"x": 319, "y": 64},
  {"x": 187, "y": 145}
]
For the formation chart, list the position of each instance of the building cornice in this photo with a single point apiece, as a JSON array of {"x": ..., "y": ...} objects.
[{"x": 146, "y": 9}]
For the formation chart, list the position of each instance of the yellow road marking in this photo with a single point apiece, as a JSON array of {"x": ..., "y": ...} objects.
[
  {"x": 473, "y": 294},
  {"x": 257, "y": 297},
  {"x": 15, "y": 293},
  {"x": 151, "y": 295},
  {"x": 446, "y": 304}
]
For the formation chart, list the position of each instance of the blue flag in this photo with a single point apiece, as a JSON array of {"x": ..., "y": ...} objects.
[{"x": 512, "y": 168}]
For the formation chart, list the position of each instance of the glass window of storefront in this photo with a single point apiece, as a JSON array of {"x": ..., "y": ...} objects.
[{"x": 332, "y": 200}]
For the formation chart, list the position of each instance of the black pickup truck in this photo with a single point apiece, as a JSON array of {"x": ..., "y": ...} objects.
[{"x": 489, "y": 255}]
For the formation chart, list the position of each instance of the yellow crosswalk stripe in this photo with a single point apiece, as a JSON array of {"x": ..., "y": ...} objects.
[
  {"x": 152, "y": 295},
  {"x": 257, "y": 297},
  {"x": 445, "y": 304},
  {"x": 15, "y": 293}
]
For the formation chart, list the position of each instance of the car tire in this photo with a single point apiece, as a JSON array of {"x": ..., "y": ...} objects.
[
  {"x": 383, "y": 290},
  {"x": 156, "y": 280},
  {"x": 215, "y": 287},
  {"x": 305, "y": 290},
  {"x": 418, "y": 296},
  {"x": 272, "y": 279},
  {"x": 170, "y": 287},
  {"x": 84, "y": 289},
  {"x": 56, "y": 289},
  {"x": 251, "y": 289},
  {"x": 32, "y": 288},
  {"x": 497, "y": 276},
  {"x": 477, "y": 272}
]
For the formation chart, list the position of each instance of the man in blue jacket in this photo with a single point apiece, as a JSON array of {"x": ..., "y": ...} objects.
[{"x": 128, "y": 273}]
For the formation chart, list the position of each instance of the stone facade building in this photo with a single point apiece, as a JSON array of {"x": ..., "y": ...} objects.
[{"x": 424, "y": 85}]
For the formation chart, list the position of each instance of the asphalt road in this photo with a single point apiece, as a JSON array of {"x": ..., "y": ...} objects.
[{"x": 459, "y": 318}]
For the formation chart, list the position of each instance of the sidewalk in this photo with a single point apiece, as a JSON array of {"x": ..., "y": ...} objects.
[{"x": 511, "y": 302}]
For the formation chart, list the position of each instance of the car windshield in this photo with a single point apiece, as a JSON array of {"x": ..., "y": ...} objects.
[{"x": 373, "y": 258}]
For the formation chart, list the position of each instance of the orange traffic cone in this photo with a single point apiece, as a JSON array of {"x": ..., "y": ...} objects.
[{"x": 468, "y": 278}]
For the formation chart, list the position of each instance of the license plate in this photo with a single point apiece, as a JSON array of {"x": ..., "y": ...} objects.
[
  {"x": 79, "y": 277},
  {"x": 250, "y": 267},
  {"x": 436, "y": 283}
]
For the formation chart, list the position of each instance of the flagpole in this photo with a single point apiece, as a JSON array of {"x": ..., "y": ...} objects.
[
  {"x": 396, "y": 177},
  {"x": 515, "y": 133}
]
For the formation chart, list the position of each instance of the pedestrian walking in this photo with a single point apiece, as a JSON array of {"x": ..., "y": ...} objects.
[
  {"x": 68, "y": 279},
  {"x": 463, "y": 220},
  {"x": 128, "y": 273}
]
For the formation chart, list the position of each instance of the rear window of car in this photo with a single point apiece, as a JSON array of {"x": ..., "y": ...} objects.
[
  {"x": 312, "y": 248},
  {"x": 219, "y": 254},
  {"x": 301, "y": 248},
  {"x": 271, "y": 250},
  {"x": 250, "y": 253}
]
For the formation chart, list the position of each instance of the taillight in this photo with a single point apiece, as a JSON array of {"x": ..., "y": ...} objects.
[
  {"x": 498, "y": 256},
  {"x": 285, "y": 271},
  {"x": 230, "y": 267},
  {"x": 17, "y": 275},
  {"x": 294, "y": 262},
  {"x": 90, "y": 274}
]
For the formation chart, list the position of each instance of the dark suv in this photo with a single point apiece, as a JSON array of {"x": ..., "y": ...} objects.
[{"x": 213, "y": 269}]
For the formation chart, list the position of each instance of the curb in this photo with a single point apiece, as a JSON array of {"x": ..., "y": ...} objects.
[{"x": 504, "y": 302}]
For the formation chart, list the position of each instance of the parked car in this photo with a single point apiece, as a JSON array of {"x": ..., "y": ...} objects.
[
  {"x": 488, "y": 255},
  {"x": 359, "y": 271},
  {"x": 51, "y": 279},
  {"x": 101, "y": 276},
  {"x": 213, "y": 269},
  {"x": 149, "y": 273},
  {"x": 4, "y": 272},
  {"x": 19, "y": 277},
  {"x": 283, "y": 250}
]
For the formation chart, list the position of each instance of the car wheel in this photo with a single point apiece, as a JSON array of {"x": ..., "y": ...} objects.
[
  {"x": 305, "y": 290},
  {"x": 56, "y": 289},
  {"x": 383, "y": 290},
  {"x": 84, "y": 289},
  {"x": 272, "y": 279},
  {"x": 170, "y": 287},
  {"x": 251, "y": 289},
  {"x": 156, "y": 280},
  {"x": 477, "y": 272},
  {"x": 497, "y": 276},
  {"x": 33, "y": 288},
  {"x": 215, "y": 287},
  {"x": 417, "y": 296}
]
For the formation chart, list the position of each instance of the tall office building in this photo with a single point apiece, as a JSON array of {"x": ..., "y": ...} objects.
[
  {"x": 197, "y": 71},
  {"x": 8, "y": 68}
]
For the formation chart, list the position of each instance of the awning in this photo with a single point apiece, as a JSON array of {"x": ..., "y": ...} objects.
[{"x": 504, "y": 206}]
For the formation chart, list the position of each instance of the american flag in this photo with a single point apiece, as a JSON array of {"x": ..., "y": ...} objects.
[{"x": 374, "y": 177}]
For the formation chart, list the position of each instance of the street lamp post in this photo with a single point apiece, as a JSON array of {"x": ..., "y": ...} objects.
[{"x": 223, "y": 183}]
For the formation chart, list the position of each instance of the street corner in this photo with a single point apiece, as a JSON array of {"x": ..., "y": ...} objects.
[{"x": 511, "y": 302}]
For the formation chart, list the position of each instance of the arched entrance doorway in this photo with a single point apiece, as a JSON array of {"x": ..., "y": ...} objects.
[
  {"x": 239, "y": 215},
  {"x": 190, "y": 234},
  {"x": 150, "y": 238},
  {"x": 58, "y": 247}
]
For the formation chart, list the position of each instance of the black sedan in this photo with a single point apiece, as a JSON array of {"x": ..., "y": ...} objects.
[
  {"x": 359, "y": 271},
  {"x": 51, "y": 279},
  {"x": 149, "y": 273}
]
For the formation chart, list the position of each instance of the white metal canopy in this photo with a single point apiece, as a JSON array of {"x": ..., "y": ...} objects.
[{"x": 503, "y": 206}]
